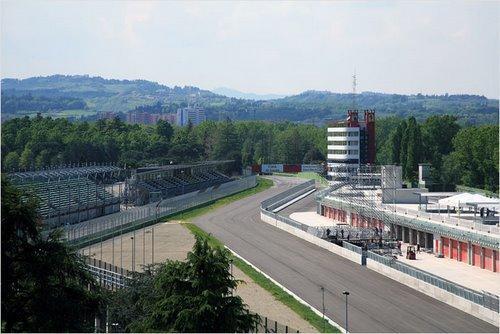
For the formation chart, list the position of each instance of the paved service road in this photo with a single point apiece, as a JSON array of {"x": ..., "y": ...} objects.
[{"x": 376, "y": 303}]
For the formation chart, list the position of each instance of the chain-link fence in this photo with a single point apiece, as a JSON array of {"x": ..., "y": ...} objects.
[
  {"x": 484, "y": 299},
  {"x": 115, "y": 224}
]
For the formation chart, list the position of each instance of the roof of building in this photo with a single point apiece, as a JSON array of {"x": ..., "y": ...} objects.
[{"x": 463, "y": 199}]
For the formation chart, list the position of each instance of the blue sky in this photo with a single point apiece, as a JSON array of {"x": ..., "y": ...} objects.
[{"x": 262, "y": 47}]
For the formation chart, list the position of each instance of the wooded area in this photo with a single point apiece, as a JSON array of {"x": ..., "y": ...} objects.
[{"x": 467, "y": 155}]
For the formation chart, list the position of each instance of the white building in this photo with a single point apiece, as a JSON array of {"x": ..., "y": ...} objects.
[
  {"x": 350, "y": 144},
  {"x": 194, "y": 114}
]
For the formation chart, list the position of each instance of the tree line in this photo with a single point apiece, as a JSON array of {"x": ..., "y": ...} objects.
[
  {"x": 12, "y": 104},
  {"x": 466, "y": 156},
  {"x": 458, "y": 154},
  {"x": 40, "y": 142}
]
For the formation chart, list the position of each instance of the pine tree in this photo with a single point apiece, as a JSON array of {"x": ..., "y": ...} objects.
[
  {"x": 194, "y": 296},
  {"x": 404, "y": 147},
  {"x": 414, "y": 149},
  {"x": 396, "y": 138}
]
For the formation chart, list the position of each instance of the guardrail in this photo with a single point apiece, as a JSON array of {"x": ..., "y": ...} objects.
[
  {"x": 125, "y": 221},
  {"x": 486, "y": 300}
]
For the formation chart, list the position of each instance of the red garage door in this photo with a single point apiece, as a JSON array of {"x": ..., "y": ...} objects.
[
  {"x": 488, "y": 259},
  {"x": 476, "y": 255},
  {"x": 454, "y": 249},
  {"x": 497, "y": 261},
  {"x": 463, "y": 252},
  {"x": 446, "y": 247}
]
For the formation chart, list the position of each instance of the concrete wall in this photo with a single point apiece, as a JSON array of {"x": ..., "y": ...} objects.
[
  {"x": 403, "y": 196},
  {"x": 435, "y": 292},
  {"x": 336, "y": 249}
]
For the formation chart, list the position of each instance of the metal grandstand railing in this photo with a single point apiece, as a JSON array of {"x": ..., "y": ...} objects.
[
  {"x": 484, "y": 299},
  {"x": 64, "y": 172},
  {"x": 122, "y": 222}
]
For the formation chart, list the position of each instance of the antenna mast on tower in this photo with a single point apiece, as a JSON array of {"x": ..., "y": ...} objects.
[{"x": 354, "y": 91}]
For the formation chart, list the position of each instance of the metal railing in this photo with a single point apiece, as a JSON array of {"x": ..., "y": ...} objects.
[
  {"x": 107, "y": 275},
  {"x": 444, "y": 219},
  {"x": 128, "y": 220},
  {"x": 387, "y": 214},
  {"x": 484, "y": 299},
  {"x": 352, "y": 247},
  {"x": 266, "y": 325}
]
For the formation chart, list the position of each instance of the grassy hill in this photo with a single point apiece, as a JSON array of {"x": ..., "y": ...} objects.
[{"x": 94, "y": 95}]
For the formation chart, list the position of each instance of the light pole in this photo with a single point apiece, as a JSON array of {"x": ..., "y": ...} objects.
[
  {"x": 323, "y": 305},
  {"x": 346, "y": 293},
  {"x": 133, "y": 253}
]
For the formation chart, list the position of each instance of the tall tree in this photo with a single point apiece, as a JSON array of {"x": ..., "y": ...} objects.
[
  {"x": 414, "y": 149},
  {"x": 191, "y": 296},
  {"x": 45, "y": 285},
  {"x": 404, "y": 148},
  {"x": 396, "y": 142},
  {"x": 164, "y": 130}
]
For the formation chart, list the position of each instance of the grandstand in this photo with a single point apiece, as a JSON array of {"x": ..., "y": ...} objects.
[
  {"x": 71, "y": 194},
  {"x": 151, "y": 184}
]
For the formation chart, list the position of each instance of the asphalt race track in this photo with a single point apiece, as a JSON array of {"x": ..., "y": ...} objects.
[{"x": 376, "y": 303}]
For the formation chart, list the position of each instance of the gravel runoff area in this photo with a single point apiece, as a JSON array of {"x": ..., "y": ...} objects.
[{"x": 173, "y": 241}]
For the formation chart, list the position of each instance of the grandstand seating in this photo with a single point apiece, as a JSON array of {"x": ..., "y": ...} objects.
[
  {"x": 68, "y": 195},
  {"x": 182, "y": 183}
]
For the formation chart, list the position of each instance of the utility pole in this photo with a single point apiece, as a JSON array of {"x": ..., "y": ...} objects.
[{"x": 346, "y": 293}]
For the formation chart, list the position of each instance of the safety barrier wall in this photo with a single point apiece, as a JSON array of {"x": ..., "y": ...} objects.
[
  {"x": 115, "y": 224},
  {"x": 298, "y": 229},
  {"x": 482, "y": 305},
  {"x": 288, "y": 195}
]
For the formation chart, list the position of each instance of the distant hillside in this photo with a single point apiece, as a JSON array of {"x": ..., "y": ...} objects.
[
  {"x": 81, "y": 95},
  {"x": 248, "y": 96}
]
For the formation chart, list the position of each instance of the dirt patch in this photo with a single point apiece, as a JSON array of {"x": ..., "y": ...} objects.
[{"x": 173, "y": 241}]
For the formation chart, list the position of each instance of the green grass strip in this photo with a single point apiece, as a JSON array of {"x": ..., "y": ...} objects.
[
  {"x": 307, "y": 176},
  {"x": 302, "y": 310},
  {"x": 262, "y": 184}
]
